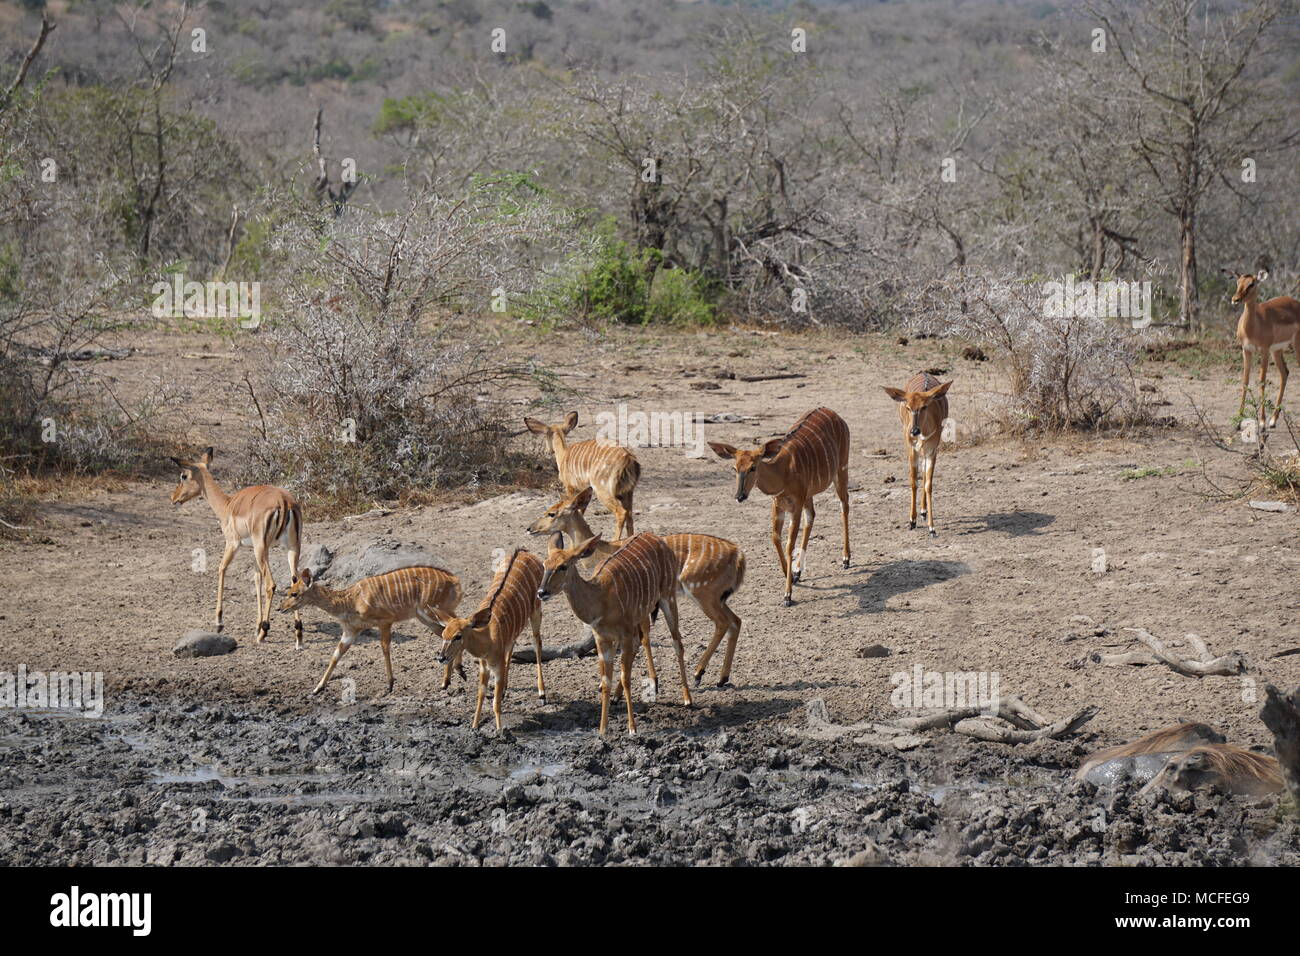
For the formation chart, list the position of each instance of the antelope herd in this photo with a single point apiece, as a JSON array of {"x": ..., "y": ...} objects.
[{"x": 617, "y": 588}]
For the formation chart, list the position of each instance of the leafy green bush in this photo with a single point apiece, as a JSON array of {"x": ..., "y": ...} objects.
[{"x": 617, "y": 282}]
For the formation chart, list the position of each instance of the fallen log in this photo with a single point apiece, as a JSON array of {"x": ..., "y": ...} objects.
[{"x": 1202, "y": 665}]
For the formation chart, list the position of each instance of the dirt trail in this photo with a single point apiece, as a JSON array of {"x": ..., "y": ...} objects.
[{"x": 1008, "y": 579}]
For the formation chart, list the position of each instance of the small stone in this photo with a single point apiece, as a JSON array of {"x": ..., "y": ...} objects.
[{"x": 204, "y": 644}]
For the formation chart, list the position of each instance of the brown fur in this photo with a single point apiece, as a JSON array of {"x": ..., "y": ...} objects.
[
  {"x": 379, "y": 601},
  {"x": 490, "y": 633},
  {"x": 922, "y": 407},
  {"x": 1220, "y": 767},
  {"x": 263, "y": 515},
  {"x": 617, "y": 601},
  {"x": 610, "y": 470},
  {"x": 1175, "y": 739},
  {"x": 712, "y": 571},
  {"x": 793, "y": 470},
  {"x": 1262, "y": 326}
]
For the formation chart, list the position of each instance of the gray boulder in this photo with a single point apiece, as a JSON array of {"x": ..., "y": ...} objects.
[
  {"x": 204, "y": 644},
  {"x": 348, "y": 566}
]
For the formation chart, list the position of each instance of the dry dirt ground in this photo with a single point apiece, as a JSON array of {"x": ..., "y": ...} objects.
[{"x": 228, "y": 759}]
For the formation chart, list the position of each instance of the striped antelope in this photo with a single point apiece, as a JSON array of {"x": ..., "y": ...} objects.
[
  {"x": 712, "y": 570},
  {"x": 379, "y": 601},
  {"x": 610, "y": 470},
  {"x": 793, "y": 470},
  {"x": 261, "y": 515},
  {"x": 1267, "y": 328},
  {"x": 490, "y": 633},
  {"x": 922, "y": 407},
  {"x": 618, "y": 601}
]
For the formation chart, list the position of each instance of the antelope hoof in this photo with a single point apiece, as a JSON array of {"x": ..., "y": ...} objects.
[
  {"x": 794, "y": 578},
  {"x": 318, "y": 689},
  {"x": 698, "y": 678},
  {"x": 933, "y": 533},
  {"x": 725, "y": 682},
  {"x": 911, "y": 525},
  {"x": 844, "y": 563},
  {"x": 922, "y": 515},
  {"x": 219, "y": 627},
  {"x": 786, "y": 602}
]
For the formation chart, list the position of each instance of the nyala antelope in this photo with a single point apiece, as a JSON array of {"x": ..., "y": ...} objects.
[
  {"x": 489, "y": 634},
  {"x": 1145, "y": 757},
  {"x": 262, "y": 516},
  {"x": 922, "y": 407},
  {"x": 619, "y": 601},
  {"x": 610, "y": 470},
  {"x": 712, "y": 571},
  {"x": 793, "y": 470},
  {"x": 1267, "y": 328},
  {"x": 1222, "y": 768},
  {"x": 379, "y": 601}
]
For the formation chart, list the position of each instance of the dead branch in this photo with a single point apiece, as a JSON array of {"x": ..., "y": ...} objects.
[
  {"x": 1202, "y": 665},
  {"x": 526, "y": 655},
  {"x": 1026, "y": 725},
  {"x": 338, "y": 197},
  {"x": 47, "y": 27}
]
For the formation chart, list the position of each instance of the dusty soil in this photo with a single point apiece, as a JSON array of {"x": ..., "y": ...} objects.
[{"x": 228, "y": 760}]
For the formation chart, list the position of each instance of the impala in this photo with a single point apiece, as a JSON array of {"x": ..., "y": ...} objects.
[
  {"x": 490, "y": 632},
  {"x": 922, "y": 407},
  {"x": 610, "y": 470},
  {"x": 792, "y": 470},
  {"x": 379, "y": 601},
  {"x": 618, "y": 601},
  {"x": 712, "y": 570},
  {"x": 262, "y": 516},
  {"x": 1267, "y": 328}
]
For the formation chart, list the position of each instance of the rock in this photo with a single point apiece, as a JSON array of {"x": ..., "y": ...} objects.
[
  {"x": 378, "y": 557},
  {"x": 204, "y": 644},
  {"x": 1279, "y": 506},
  {"x": 874, "y": 650}
]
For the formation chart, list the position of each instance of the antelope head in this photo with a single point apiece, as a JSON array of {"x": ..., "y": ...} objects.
[
  {"x": 748, "y": 462},
  {"x": 190, "y": 485}
]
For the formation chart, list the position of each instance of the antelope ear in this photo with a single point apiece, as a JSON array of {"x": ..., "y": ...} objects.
[
  {"x": 897, "y": 394},
  {"x": 178, "y": 463},
  {"x": 589, "y": 546},
  {"x": 207, "y": 455},
  {"x": 1261, "y": 276},
  {"x": 939, "y": 390},
  {"x": 582, "y": 500},
  {"x": 570, "y": 422},
  {"x": 722, "y": 449},
  {"x": 1229, "y": 272},
  {"x": 305, "y": 577},
  {"x": 771, "y": 447},
  {"x": 534, "y": 426},
  {"x": 444, "y": 618},
  {"x": 482, "y": 618}
]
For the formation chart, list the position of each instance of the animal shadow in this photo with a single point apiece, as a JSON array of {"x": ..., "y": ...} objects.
[
  {"x": 900, "y": 577},
  {"x": 1017, "y": 524}
]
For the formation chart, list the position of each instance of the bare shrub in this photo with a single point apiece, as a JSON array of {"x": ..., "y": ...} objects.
[
  {"x": 1065, "y": 371},
  {"x": 372, "y": 393}
]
